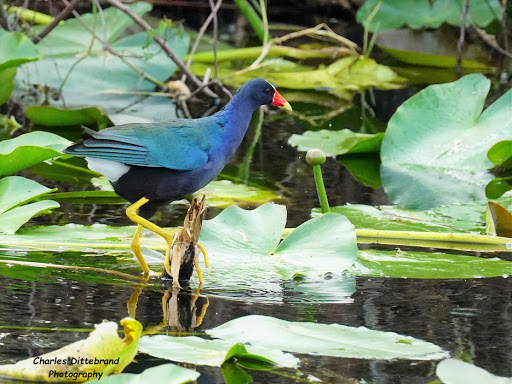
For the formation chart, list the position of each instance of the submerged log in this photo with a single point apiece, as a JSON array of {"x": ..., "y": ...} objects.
[{"x": 184, "y": 252}]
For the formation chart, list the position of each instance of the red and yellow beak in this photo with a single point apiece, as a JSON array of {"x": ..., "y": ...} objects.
[{"x": 280, "y": 101}]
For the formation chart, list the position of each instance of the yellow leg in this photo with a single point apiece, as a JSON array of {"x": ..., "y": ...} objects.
[
  {"x": 131, "y": 212},
  {"x": 205, "y": 255}
]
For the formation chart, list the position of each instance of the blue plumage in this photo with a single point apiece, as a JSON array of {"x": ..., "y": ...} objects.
[{"x": 169, "y": 160}]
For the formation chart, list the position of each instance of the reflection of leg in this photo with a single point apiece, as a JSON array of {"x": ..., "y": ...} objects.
[
  {"x": 131, "y": 305},
  {"x": 131, "y": 212},
  {"x": 197, "y": 295}
]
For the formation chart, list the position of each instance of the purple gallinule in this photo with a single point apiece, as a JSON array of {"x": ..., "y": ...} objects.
[{"x": 156, "y": 163}]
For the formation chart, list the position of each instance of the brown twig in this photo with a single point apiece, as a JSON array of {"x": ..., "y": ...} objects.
[
  {"x": 61, "y": 16},
  {"x": 4, "y": 18},
  {"x": 141, "y": 22},
  {"x": 460, "y": 44}
]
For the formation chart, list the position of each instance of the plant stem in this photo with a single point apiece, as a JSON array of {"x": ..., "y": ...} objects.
[
  {"x": 274, "y": 51},
  {"x": 4, "y": 19},
  {"x": 253, "y": 18},
  {"x": 29, "y": 15},
  {"x": 320, "y": 189}
]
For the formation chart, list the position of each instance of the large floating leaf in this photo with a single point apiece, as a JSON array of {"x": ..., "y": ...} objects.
[
  {"x": 14, "y": 191},
  {"x": 435, "y": 147},
  {"x": 29, "y": 149},
  {"x": 102, "y": 343},
  {"x": 465, "y": 217},
  {"x": 58, "y": 117},
  {"x": 335, "y": 143},
  {"x": 165, "y": 373},
  {"x": 430, "y": 48},
  {"x": 426, "y": 14},
  {"x": 428, "y": 265},
  {"x": 97, "y": 77},
  {"x": 223, "y": 193},
  {"x": 453, "y": 371},
  {"x": 325, "y": 339},
  {"x": 15, "y": 49},
  {"x": 194, "y": 350}
]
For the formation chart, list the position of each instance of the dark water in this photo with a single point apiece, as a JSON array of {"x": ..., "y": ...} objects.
[{"x": 462, "y": 316}]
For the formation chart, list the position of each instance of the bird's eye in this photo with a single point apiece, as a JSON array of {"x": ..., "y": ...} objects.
[{"x": 268, "y": 91}]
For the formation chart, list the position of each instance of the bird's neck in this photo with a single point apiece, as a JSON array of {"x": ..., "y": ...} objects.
[{"x": 237, "y": 114}]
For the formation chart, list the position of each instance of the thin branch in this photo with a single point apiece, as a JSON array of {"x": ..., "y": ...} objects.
[
  {"x": 139, "y": 71},
  {"x": 215, "y": 33},
  {"x": 4, "y": 18},
  {"x": 460, "y": 44},
  {"x": 141, "y": 22},
  {"x": 61, "y": 16}
]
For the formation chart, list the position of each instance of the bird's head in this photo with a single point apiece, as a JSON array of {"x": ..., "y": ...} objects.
[{"x": 262, "y": 92}]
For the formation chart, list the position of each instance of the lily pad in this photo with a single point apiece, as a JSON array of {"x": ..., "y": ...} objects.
[
  {"x": 453, "y": 371},
  {"x": 335, "y": 143},
  {"x": 223, "y": 193},
  {"x": 430, "y": 48},
  {"x": 29, "y": 149},
  {"x": 428, "y": 265},
  {"x": 58, "y": 117},
  {"x": 325, "y": 339},
  {"x": 165, "y": 373},
  {"x": 15, "y": 191},
  {"x": 198, "y": 351},
  {"x": 425, "y": 14},
  {"x": 364, "y": 168},
  {"x": 435, "y": 147},
  {"x": 81, "y": 73},
  {"x": 16, "y": 49}
]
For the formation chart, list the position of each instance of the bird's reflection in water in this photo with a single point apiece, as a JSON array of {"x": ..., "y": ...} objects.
[{"x": 183, "y": 309}]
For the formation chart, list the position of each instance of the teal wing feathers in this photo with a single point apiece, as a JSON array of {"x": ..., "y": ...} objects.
[{"x": 183, "y": 145}]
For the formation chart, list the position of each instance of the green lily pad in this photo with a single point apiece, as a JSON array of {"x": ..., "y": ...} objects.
[
  {"x": 58, "y": 117},
  {"x": 337, "y": 142},
  {"x": 16, "y": 49},
  {"x": 325, "y": 339},
  {"x": 453, "y": 371},
  {"x": 82, "y": 74},
  {"x": 428, "y": 265},
  {"x": 29, "y": 149},
  {"x": 500, "y": 152},
  {"x": 13, "y": 219},
  {"x": 435, "y": 147},
  {"x": 165, "y": 373},
  {"x": 425, "y": 14},
  {"x": 195, "y": 350},
  {"x": 430, "y": 48},
  {"x": 69, "y": 169},
  {"x": 7, "y": 76},
  {"x": 364, "y": 168},
  {"x": 223, "y": 193},
  {"x": 15, "y": 191}
]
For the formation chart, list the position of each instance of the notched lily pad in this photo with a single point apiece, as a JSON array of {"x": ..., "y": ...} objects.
[
  {"x": 434, "y": 151},
  {"x": 58, "y": 117}
]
